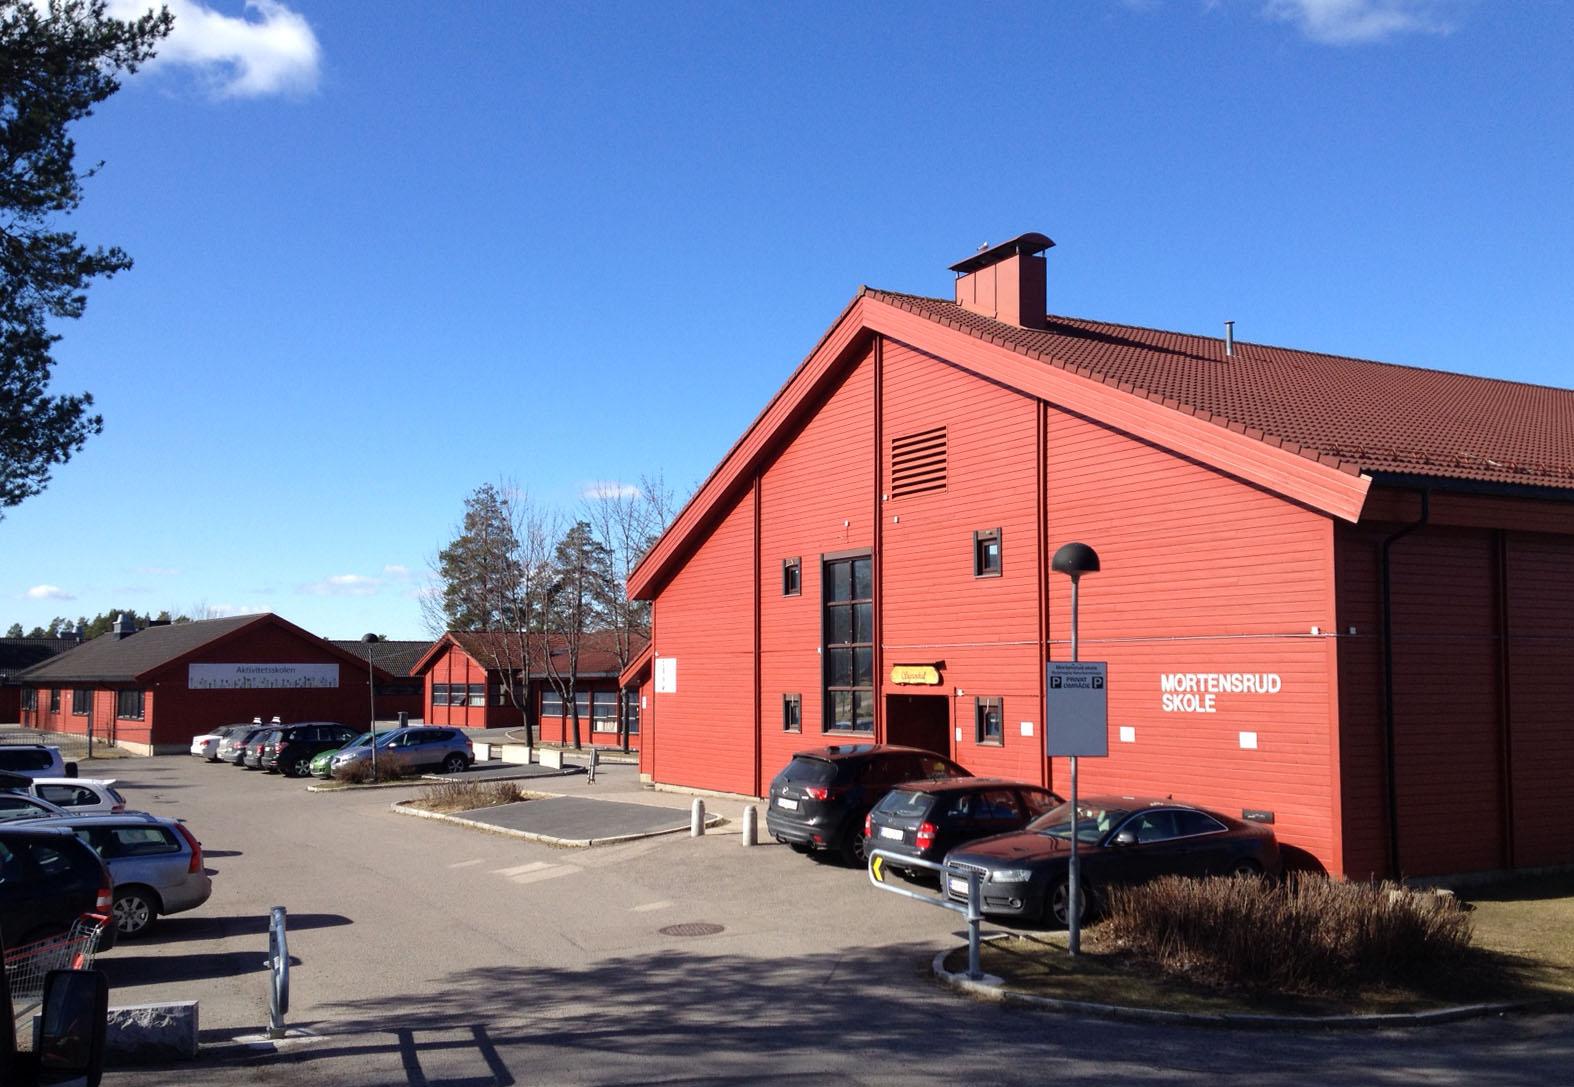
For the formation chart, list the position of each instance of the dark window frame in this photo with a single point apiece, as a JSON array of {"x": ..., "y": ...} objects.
[
  {"x": 54, "y": 700},
  {"x": 792, "y": 713},
  {"x": 983, "y": 705},
  {"x": 849, "y": 650},
  {"x": 604, "y": 712},
  {"x": 30, "y": 699},
  {"x": 83, "y": 697},
  {"x": 792, "y": 577},
  {"x": 137, "y": 702},
  {"x": 982, "y": 538},
  {"x": 556, "y": 697}
]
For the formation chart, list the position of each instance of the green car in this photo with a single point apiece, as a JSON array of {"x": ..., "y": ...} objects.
[{"x": 321, "y": 760}]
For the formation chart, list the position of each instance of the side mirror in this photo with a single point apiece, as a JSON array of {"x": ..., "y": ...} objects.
[
  {"x": 71, "y": 769},
  {"x": 1126, "y": 837},
  {"x": 71, "y": 1033}
]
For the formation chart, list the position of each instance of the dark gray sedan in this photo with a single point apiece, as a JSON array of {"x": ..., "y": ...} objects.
[{"x": 1121, "y": 840}]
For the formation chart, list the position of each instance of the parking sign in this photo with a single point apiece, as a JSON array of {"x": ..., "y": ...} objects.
[{"x": 1076, "y": 719}]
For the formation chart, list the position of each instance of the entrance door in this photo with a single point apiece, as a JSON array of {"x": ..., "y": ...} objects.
[{"x": 919, "y": 720}]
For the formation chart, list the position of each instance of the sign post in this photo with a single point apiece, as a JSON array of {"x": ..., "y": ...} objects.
[{"x": 1076, "y": 721}]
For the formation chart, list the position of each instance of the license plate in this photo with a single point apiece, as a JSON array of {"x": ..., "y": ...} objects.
[
  {"x": 784, "y": 802},
  {"x": 891, "y": 833},
  {"x": 958, "y": 886}
]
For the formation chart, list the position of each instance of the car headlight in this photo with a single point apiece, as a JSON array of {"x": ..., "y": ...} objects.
[{"x": 1010, "y": 875}]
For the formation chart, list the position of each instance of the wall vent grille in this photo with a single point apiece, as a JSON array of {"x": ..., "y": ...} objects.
[{"x": 918, "y": 462}]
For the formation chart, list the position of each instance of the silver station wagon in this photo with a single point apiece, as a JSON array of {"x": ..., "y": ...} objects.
[{"x": 155, "y": 863}]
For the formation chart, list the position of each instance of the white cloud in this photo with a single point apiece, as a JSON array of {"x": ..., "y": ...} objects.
[
  {"x": 267, "y": 49},
  {"x": 610, "y": 489},
  {"x": 1354, "y": 22},
  {"x": 48, "y": 592},
  {"x": 344, "y": 585},
  {"x": 394, "y": 570}
]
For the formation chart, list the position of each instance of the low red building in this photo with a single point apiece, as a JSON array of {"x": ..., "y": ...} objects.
[
  {"x": 1336, "y": 592},
  {"x": 150, "y": 691},
  {"x": 467, "y": 678},
  {"x": 17, "y": 655}
]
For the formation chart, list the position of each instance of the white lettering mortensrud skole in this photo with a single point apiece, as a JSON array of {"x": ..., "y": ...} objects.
[{"x": 1196, "y": 692}]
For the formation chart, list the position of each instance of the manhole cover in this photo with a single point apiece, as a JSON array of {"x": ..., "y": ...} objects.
[{"x": 693, "y": 928}]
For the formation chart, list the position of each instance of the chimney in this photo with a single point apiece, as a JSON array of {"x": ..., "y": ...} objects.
[
  {"x": 1006, "y": 282},
  {"x": 123, "y": 628}
]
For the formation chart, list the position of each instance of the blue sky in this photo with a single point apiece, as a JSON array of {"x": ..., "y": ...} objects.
[{"x": 386, "y": 252}]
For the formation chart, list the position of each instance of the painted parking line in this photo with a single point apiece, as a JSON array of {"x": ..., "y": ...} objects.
[
  {"x": 649, "y": 906},
  {"x": 551, "y": 872},
  {"x": 465, "y": 864}
]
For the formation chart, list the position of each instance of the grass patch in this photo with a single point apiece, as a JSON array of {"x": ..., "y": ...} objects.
[
  {"x": 1330, "y": 949},
  {"x": 452, "y": 796}
]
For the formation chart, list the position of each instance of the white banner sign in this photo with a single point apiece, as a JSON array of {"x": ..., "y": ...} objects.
[
  {"x": 219, "y": 677},
  {"x": 666, "y": 675}
]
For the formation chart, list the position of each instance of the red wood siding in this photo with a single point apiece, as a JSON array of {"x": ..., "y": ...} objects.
[
  {"x": 452, "y": 666},
  {"x": 1201, "y": 574},
  {"x": 1483, "y": 624},
  {"x": 933, "y": 608},
  {"x": 816, "y": 498},
  {"x": 704, "y": 735}
]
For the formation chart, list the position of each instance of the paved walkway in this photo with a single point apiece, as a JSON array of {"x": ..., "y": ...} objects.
[
  {"x": 506, "y": 771},
  {"x": 580, "y": 819}
]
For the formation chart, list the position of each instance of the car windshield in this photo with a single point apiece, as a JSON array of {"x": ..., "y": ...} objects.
[
  {"x": 905, "y": 804},
  {"x": 360, "y": 741},
  {"x": 809, "y": 771},
  {"x": 1093, "y": 822}
]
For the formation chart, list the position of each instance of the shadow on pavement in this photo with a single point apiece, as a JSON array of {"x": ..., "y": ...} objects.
[
  {"x": 184, "y": 927},
  {"x": 127, "y": 970},
  {"x": 861, "y": 1015}
]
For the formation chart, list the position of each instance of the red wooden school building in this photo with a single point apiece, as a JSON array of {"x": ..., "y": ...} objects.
[{"x": 1334, "y": 590}]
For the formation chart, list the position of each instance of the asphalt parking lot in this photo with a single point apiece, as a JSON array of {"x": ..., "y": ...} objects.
[{"x": 431, "y": 954}]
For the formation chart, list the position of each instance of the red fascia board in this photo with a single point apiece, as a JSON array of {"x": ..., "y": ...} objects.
[
  {"x": 638, "y": 666},
  {"x": 1328, "y": 488},
  {"x": 733, "y": 471},
  {"x": 435, "y": 651}
]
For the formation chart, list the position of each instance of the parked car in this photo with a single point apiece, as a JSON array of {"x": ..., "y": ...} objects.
[
  {"x": 207, "y": 745},
  {"x": 18, "y": 806},
  {"x": 1122, "y": 840},
  {"x": 820, "y": 798},
  {"x": 80, "y": 795},
  {"x": 251, "y": 756},
  {"x": 412, "y": 749},
  {"x": 155, "y": 865},
  {"x": 35, "y": 761},
  {"x": 47, "y": 880},
  {"x": 232, "y": 749},
  {"x": 291, "y": 749},
  {"x": 928, "y": 819},
  {"x": 321, "y": 766}
]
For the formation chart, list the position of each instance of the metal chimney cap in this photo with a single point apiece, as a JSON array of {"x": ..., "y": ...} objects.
[
  {"x": 1075, "y": 559},
  {"x": 1030, "y": 244}
]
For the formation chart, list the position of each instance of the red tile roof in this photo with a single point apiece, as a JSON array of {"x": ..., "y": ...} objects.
[{"x": 1358, "y": 415}]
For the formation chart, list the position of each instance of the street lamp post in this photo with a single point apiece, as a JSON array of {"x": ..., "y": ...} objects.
[
  {"x": 371, "y": 694},
  {"x": 1074, "y": 560}
]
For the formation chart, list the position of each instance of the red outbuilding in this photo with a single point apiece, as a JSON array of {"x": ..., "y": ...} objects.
[
  {"x": 151, "y": 690},
  {"x": 467, "y": 677},
  {"x": 1336, "y": 593}
]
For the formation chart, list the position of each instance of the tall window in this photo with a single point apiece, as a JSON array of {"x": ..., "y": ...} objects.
[
  {"x": 128, "y": 704},
  {"x": 792, "y": 577},
  {"x": 849, "y": 645},
  {"x": 30, "y": 698},
  {"x": 582, "y": 704},
  {"x": 81, "y": 701},
  {"x": 54, "y": 699},
  {"x": 792, "y": 713},
  {"x": 604, "y": 711},
  {"x": 986, "y": 553},
  {"x": 551, "y": 704},
  {"x": 989, "y": 714},
  {"x": 631, "y": 711}
]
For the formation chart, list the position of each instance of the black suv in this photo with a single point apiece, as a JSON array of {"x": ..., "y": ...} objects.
[
  {"x": 926, "y": 819},
  {"x": 820, "y": 798},
  {"x": 48, "y": 878},
  {"x": 290, "y": 750}
]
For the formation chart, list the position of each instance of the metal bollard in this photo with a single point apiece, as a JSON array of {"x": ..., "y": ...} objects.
[
  {"x": 278, "y": 963},
  {"x": 751, "y": 823},
  {"x": 595, "y": 759},
  {"x": 697, "y": 819}
]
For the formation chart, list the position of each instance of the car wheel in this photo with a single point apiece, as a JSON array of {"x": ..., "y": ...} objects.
[
  {"x": 854, "y": 851},
  {"x": 300, "y": 768},
  {"x": 454, "y": 763},
  {"x": 134, "y": 912},
  {"x": 1057, "y": 906},
  {"x": 1246, "y": 867}
]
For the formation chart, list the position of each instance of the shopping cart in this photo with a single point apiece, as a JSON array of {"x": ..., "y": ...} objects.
[{"x": 26, "y": 966}]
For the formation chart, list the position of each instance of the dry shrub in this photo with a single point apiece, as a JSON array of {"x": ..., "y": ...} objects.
[
  {"x": 468, "y": 795},
  {"x": 1307, "y": 935},
  {"x": 360, "y": 773}
]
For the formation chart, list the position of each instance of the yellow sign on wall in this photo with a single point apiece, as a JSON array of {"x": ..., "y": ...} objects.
[{"x": 924, "y": 674}]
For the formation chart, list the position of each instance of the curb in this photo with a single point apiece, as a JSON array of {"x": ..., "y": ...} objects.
[
  {"x": 711, "y": 821},
  {"x": 997, "y": 993}
]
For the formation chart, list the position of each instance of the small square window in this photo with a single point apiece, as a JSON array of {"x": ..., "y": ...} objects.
[
  {"x": 792, "y": 713},
  {"x": 988, "y": 714},
  {"x": 986, "y": 553},
  {"x": 792, "y": 577}
]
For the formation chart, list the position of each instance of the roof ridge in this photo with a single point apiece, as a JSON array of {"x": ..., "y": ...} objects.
[{"x": 1238, "y": 343}]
